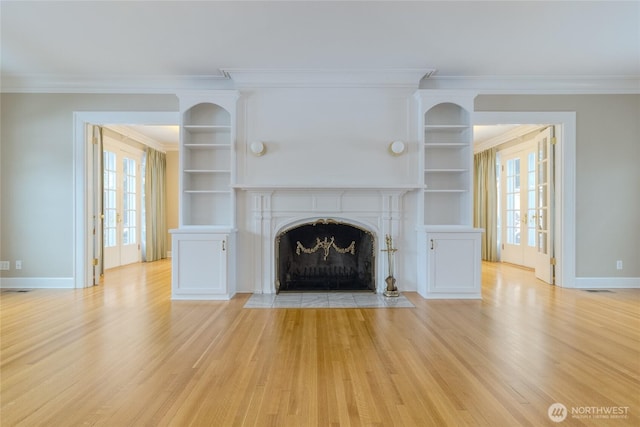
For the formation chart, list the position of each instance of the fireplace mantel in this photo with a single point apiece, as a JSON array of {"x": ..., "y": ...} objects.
[
  {"x": 288, "y": 187},
  {"x": 272, "y": 208}
]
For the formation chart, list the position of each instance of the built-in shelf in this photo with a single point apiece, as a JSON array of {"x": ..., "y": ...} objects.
[
  {"x": 207, "y": 164},
  {"x": 206, "y": 128},
  {"x": 450, "y": 127},
  {"x": 445, "y": 144},
  {"x": 207, "y": 191},
  {"x": 206, "y": 146},
  {"x": 446, "y": 166},
  {"x": 208, "y": 171},
  {"x": 447, "y": 241}
]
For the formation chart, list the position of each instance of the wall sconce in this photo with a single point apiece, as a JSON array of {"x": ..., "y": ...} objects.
[
  {"x": 257, "y": 148},
  {"x": 396, "y": 148}
]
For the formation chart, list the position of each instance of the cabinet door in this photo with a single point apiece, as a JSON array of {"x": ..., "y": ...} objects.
[
  {"x": 200, "y": 269},
  {"x": 453, "y": 264}
]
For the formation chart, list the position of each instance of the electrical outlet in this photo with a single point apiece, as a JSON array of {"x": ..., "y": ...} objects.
[
  {"x": 4, "y": 265},
  {"x": 18, "y": 265},
  {"x": 619, "y": 264}
]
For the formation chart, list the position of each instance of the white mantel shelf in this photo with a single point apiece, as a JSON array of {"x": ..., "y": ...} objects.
[{"x": 288, "y": 187}]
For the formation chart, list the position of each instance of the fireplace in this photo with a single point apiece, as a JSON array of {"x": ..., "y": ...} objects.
[
  {"x": 325, "y": 255},
  {"x": 363, "y": 213}
]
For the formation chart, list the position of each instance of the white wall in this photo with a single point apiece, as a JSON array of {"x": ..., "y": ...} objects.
[
  {"x": 333, "y": 131},
  {"x": 37, "y": 178},
  {"x": 323, "y": 137},
  {"x": 326, "y": 136},
  {"x": 607, "y": 176}
]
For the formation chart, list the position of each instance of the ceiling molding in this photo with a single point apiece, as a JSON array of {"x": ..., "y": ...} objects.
[
  {"x": 153, "y": 84},
  {"x": 231, "y": 78},
  {"x": 127, "y": 132},
  {"x": 508, "y": 136},
  {"x": 327, "y": 77},
  {"x": 538, "y": 85}
]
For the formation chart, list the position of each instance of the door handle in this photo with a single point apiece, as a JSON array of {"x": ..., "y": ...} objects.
[
  {"x": 432, "y": 245},
  {"x": 223, "y": 245}
]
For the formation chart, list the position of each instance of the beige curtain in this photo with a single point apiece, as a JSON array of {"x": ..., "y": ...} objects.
[
  {"x": 485, "y": 197},
  {"x": 155, "y": 205},
  {"x": 98, "y": 202}
]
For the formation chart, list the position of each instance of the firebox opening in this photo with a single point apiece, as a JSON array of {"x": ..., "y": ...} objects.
[{"x": 325, "y": 255}]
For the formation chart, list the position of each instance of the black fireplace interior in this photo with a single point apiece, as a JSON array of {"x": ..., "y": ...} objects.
[{"x": 325, "y": 255}]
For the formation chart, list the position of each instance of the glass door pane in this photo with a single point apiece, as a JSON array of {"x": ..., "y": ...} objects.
[
  {"x": 109, "y": 200},
  {"x": 513, "y": 202},
  {"x": 130, "y": 209}
]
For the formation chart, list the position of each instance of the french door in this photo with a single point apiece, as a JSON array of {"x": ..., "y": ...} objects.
[
  {"x": 527, "y": 211},
  {"x": 121, "y": 204},
  {"x": 545, "y": 210},
  {"x": 518, "y": 201}
]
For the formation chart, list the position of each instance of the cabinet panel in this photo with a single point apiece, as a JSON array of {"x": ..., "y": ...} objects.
[
  {"x": 452, "y": 268},
  {"x": 200, "y": 266},
  {"x": 448, "y": 272}
]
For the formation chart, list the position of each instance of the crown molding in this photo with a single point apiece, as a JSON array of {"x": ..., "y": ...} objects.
[
  {"x": 127, "y": 132},
  {"x": 233, "y": 78},
  {"x": 508, "y": 136},
  {"x": 146, "y": 84},
  {"x": 327, "y": 77},
  {"x": 536, "y": 85}
]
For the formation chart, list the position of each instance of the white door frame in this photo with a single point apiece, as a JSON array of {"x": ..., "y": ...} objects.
[
  {"x": 83, "y": 180},
  {"x": 565, "y": 181}
]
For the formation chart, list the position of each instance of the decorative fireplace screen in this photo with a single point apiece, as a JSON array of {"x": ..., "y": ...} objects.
[{"x": 325, "y": 255}]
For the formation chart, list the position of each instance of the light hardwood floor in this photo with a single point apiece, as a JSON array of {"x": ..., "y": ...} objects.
[{"x": 124, "y": 354}]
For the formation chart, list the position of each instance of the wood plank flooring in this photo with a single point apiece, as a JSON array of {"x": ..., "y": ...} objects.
[{"x": 124, "y": 354}]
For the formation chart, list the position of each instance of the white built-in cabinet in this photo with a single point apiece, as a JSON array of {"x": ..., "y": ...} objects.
[
  {"x": 203, "y": 245},
  {"x": 449, "y": 246}
]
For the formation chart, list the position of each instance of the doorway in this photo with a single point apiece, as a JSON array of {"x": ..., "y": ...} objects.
[
  {"x": 555, "y": 246},
  {"x": 526, "y": 202},
  {"x": 85, "y": 189}
]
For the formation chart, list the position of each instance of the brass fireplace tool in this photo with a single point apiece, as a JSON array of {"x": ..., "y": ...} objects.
[{"x": 392, "y": 290}]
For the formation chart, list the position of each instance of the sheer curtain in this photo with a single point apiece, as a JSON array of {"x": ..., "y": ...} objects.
[
  {"x": 155, "y": 205},
  {"x": 485, "y": 196}
]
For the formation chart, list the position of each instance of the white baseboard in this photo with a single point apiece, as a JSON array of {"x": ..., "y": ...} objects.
[
  {"x": 37, "y": 283},
  {"x": 607, "y": 283}
]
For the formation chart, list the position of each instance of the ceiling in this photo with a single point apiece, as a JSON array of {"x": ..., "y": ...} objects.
[
  {"x": 118, "y": 40},
  {"x": 158, "y": 46}
]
